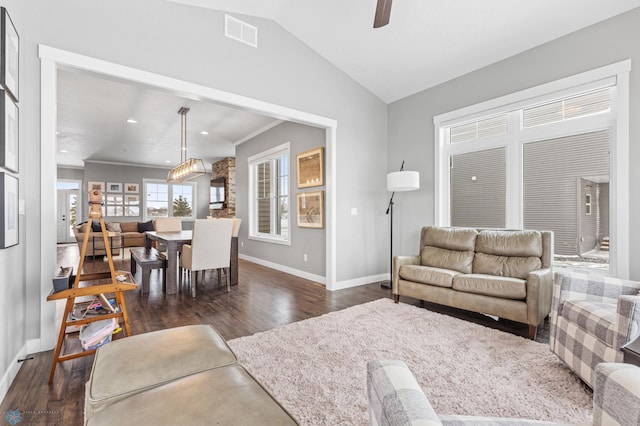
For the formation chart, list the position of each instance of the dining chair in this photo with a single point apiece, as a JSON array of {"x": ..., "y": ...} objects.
[
  {"x": 166, "y": 224},
  {"x": 210, "y": 248},
  {"x": 236, "y": 226}
]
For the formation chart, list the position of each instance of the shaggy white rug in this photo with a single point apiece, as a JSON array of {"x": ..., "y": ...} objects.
[{"x": 317, "y": 368}]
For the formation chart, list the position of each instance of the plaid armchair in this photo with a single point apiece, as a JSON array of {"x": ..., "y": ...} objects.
[
  {"x": 591, "y": 317},
  {"x": 396, "y": 399}
]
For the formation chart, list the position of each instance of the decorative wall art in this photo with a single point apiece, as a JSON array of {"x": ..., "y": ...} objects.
[
  {"x": 114, "y": 187},
  {"x": 95, "y": 185},
  {"x": 8, "y": 132},
  {"x": 8, "y": 210},
  {"x": 9, "y": 55},
  {"x": 310, "y": 168},
  {"x": 132, "y": 210},
  {"x": 310, "y": 209},
  {"x": 131, "y": 188},
  {"x": 131, "y": 200}
]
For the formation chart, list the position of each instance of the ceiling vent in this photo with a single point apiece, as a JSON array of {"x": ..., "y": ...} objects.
[{"x": 240, "y": 31}]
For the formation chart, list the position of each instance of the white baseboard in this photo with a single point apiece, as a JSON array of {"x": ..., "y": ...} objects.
[
  {"x": 361, "y": 281},
  {"x": 317, "y": 278},
  {"x": 298, "y": 273},
  {"x": 12, "y": 372}
]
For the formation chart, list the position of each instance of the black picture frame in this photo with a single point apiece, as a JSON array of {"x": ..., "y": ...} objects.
[
  {"x": 9, "y": 232},
  {"x": 9, "y": 135},
  {"x": 9, "y": 55}
]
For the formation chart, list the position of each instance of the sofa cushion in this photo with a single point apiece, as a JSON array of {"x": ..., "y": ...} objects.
[
  {"x": 505, "y": 266},
  {"x": 129, "y": 226},
  {"x": 145, "y": 226},
  {"x": 82, "y": 228},
  {"x": 490, "y": 285},
  {"x": 522, "y": 243},
  {"x": 95, "y": 226},
  {"x": 437, "y": 257},
  {"x": 114, "y": 227},
  {"x": 460, "y": 239},
  {"x": 428, "y": 275},
  {"x": 596, "y": 318}
]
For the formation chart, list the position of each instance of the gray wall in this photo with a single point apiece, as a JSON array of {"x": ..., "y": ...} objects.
[
  {"x": 411, "y": 130},
  {"x": 303, "y": 240},
  {"x": 188, "y": 44}
]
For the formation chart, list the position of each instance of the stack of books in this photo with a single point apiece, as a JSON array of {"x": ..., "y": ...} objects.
[{"x": 97, "y": 333}]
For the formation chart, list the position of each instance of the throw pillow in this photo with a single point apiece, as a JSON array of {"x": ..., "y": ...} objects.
[
  {"x": 82, "y": 227},
  {"x": 145, "y": 226},
  {"x": 114, "y": 227},
  {"x": 95, "y": 226}
]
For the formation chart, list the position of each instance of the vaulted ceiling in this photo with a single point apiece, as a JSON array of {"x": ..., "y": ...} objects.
[{"x": 427, "y": 42}]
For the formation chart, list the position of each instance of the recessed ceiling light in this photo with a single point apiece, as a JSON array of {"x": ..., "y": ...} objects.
[
  {"x": 131, "y": 121},
  {"x": 204, "y": 132},
  {"x": 167, "y": 161},
  {"x": 64, "y": 151}
]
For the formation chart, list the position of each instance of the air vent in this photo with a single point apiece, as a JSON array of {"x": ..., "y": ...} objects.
[{"x": 240, "y": 31}]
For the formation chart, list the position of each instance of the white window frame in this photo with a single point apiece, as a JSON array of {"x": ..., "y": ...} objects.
[
  {"x": 194, "y": 207},
  {"x": 253, "y": 161},
  {"x": 618, "y": 121}
]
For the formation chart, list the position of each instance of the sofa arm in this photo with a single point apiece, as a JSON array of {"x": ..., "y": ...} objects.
[
  {"x": 399, "y": 261},
  {"x": 539, "y": 292},
  {"x": 627, "y": 321},
  {"x": 395, "y": 397},
  {"x": 616, "y": 394}
]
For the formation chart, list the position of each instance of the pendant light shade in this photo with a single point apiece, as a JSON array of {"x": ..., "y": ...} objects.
[{"x": 189, "y": 168}]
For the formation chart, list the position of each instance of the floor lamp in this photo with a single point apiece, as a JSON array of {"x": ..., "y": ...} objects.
[{"x": 398, "y": 181}]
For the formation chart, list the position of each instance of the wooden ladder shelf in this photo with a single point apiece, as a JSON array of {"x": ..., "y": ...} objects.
[{"x": 116, "y": 282}]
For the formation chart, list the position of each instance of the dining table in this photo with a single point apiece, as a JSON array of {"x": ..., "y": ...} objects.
[{"x": 174, "y": 241}]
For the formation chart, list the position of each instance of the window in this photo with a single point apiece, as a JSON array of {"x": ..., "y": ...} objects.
[
  {"x": 544, "y": 158},
  {"x": 269, "y": 195},
  {"x": 160, "y": 194}
]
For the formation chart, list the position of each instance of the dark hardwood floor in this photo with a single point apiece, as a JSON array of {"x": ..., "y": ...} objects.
[{"x": 263, "y": 299}]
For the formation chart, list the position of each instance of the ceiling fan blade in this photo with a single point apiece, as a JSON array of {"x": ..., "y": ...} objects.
[{"x": 383, "y": 12}]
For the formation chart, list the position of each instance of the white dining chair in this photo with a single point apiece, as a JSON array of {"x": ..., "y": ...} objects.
[
  {"x": 166, "y": 224},
  {"x": 210, "y": 248}
]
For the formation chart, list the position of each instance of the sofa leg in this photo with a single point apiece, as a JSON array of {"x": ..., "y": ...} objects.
[
  {"x": 533, "y": 329},
  {"x": 396, "y": 298}
]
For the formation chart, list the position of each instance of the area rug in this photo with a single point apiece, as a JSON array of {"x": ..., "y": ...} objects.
[{"x": 316, "y": 368}]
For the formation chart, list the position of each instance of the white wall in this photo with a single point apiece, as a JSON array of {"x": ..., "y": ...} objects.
[
  {"x": 411, "y": 130},
  {"x": 185, "y": 43}
]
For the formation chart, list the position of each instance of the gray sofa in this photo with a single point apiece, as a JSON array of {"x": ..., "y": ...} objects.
[
  {"x": 179, "y": 376},
  {"x": 505, "y": 273},
  {"x": 396, "y": 399}
]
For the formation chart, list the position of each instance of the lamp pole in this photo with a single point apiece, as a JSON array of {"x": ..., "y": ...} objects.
[{"x": 388, "y": 284}]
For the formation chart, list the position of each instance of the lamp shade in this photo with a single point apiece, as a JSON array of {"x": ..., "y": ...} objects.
[{"x": 403, "y": 181}]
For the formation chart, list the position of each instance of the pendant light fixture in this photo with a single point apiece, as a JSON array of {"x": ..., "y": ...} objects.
[{"x": 189, "y": 168}]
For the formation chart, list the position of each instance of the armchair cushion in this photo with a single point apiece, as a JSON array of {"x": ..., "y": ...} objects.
[{"x": 594, "y": 317}]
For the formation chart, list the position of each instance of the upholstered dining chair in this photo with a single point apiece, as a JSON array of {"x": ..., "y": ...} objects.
[
  {"x": 592, "y": 317},
  {"x": 167, "y": 224},
  {"x": 210, "y": 248},
  {"x": 236, "y": 226}
]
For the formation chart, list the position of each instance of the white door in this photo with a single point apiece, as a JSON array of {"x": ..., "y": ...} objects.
[{"x": 67, "y": 204}]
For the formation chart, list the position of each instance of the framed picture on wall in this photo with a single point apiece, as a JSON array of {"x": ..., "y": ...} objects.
[
  {"x": 132, "y": 210},
  {"x": 114, "y": 187},
  {"x": 131, "y": 188},
  {"x": 310, "y": 209},
  {"x": 8, "y": 133},
  {"x": 131, "y": 200},
  {"x": 8, "y": 210},
  {"x": 95, "y": 185},
  {"x": 9, "y": 54},
  {"x": 310, "y": 168}
]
